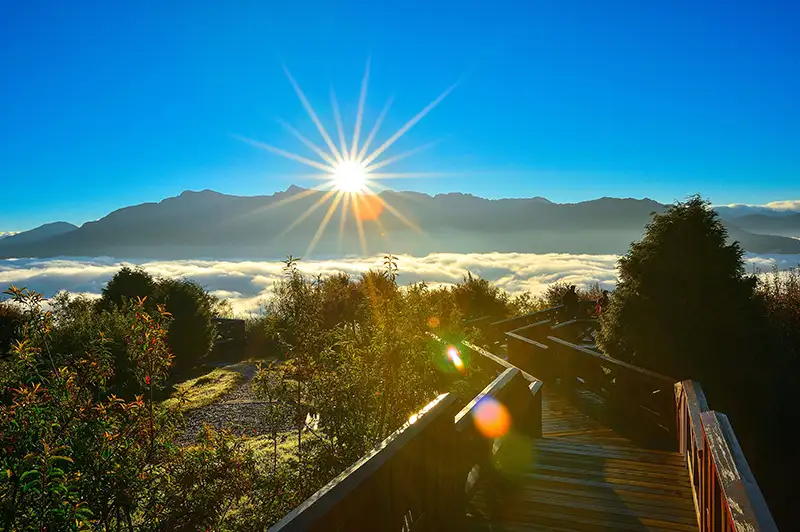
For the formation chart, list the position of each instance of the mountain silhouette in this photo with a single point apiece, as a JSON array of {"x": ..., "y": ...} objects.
[
  {"x": 41, "y": 233},
  {"x": 786, "y": 225},
  {"x": 209, "y": 224}
]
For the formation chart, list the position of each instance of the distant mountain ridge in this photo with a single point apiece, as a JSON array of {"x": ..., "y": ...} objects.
[
  {"x": 787, "y": 224},
  {"x": 208, "y": 224},
  {"x": 41, "y": 233}
]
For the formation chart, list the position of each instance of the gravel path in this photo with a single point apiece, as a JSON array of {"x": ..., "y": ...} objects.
[{"x": 240, "y": 411}]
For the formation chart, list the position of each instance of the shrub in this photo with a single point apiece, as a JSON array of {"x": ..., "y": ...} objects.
[
  {"x": 11, "y": 319},
  {"x": 476, "y": 297},
  {"x": 192, "y": 331}
]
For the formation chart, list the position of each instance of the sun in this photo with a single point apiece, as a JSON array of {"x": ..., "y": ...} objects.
[
  {"x": 353, "y": 172},
  {"x": 350, "y": 176}
]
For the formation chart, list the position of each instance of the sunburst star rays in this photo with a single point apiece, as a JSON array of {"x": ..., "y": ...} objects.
[{"x": 350, "y": 169}]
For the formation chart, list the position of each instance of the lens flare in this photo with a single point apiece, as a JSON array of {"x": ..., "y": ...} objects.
[
  {"x": 367, "y": 207},
  {"x": 491, "y": 417},
  {"x": 455, "y": 357},
  {"x": 433, "y": 322},
  {"x": 349, "y": 170}
]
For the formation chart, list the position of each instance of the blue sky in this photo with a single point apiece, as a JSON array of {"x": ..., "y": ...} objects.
[{"x": 107, "y": 104}]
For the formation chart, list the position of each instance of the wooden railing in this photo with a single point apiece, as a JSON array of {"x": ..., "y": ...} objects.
[
  {"x": 406, "y": 483},
  {"x": 422, "y": 476},
  {"x": 726, "y": 494},
  {"x": 635, "y": 393},
  {"x": 480, "y": 453}
]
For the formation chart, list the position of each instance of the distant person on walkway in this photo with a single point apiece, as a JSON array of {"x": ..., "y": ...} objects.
[
  {"x": 570, "y": 302},
  {"x": 602, "y": 303}
]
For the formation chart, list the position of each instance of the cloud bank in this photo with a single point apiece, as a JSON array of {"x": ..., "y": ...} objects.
[
  {"x": 247, "y": 284},
  {"x": 783, "y": 205}
]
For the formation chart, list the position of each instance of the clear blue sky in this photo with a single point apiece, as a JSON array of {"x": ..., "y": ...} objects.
[{"x": 107, "y": 104}]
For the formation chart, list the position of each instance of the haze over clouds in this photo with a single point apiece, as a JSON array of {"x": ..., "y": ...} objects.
[
  {"x": 247, "y": 283},
  {"x": 783, "y": 205}
]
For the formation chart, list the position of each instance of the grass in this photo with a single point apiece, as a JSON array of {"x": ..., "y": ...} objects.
[
  {"x": 262, "y": 446},
  {"x": 206, "y": 389}
]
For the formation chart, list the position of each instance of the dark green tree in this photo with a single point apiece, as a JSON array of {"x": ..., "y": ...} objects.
[
  {"x": 191, "y": 331},
  {"x": 127, "y": 284},
  {"x": 683, "y": 304},
  {"x": 11, "y": 319}
]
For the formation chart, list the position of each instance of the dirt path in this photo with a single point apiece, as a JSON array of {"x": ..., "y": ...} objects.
[{"x": 240, "y": 411}]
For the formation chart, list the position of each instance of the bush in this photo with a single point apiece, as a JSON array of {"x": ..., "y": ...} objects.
[
  {"x": 192, "y": 331},
  {"x": 476, "y": 298},
  {"x": 78, "y": 323},
  {"x": 11, "y": 319}
]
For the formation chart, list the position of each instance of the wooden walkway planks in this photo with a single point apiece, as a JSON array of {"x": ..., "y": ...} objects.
[{"x": 585, "y": 476}]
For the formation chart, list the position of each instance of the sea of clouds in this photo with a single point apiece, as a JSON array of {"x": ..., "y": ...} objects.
[{"x": 248, "y": 283}]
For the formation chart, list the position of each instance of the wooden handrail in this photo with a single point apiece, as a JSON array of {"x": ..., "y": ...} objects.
[
  {"x": 406, "y": 479},
  {"x": 639, "y": 393},
  {"x": 531, "y": 401},
  {"x": 515, "y": 322},
  {"x": 725, "y": 491}
]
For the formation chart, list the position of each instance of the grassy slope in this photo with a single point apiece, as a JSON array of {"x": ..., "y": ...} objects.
[{"x": 206, "y": 389}]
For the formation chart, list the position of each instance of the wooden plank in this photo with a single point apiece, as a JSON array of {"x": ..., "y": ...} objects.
[
  {"x": 745, "y": 502},
  {"x": 524, "y": 317},
  {"x": 630, "y": 454},
  {"x": 519, "y": 330},
  {"x": 526, "y": 340},
  {"x": 569, "y": 519},
  {"x": 675, "y": 456},
  {"x": 599, "y": 508},
  {"x": 655, "y": 489},
  {"x": 676, "y": 504},
  {"x": 602, "y": 472}
]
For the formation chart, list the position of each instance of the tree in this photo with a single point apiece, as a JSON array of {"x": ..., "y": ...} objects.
[
  {"x": 683, "y": 305},
  {"x": 192, "y": 331},
  {"x": 476, "y": 297},
  {"x": 127, "y": 284}
]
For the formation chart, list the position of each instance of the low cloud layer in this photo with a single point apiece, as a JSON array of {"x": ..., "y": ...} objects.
[
  {"x": 783, "y": 205},
  {"x": 248, "y": 283}
]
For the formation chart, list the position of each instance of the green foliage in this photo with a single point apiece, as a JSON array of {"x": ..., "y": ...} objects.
[
  {"x": 476, "y": 297},
  {"x": 361, "y": 361},
  {"x": 90, "y": 446},
  {"x": 11, "y": 319},
  {"x": 683, "y": 305},
  {"x": 126, "y": 285},
  {"x": 192, "y": 331},
  {"x": 74, "y": 456},
  {"x": 79, "y": 323}
]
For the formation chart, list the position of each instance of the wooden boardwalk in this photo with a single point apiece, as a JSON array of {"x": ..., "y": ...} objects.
[
  {"x": 584, "y": 475},
  {"x": 594, "y": 444}
]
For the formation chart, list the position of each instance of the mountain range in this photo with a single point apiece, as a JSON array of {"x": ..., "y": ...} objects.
[{"x": 209, "y": 224}]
